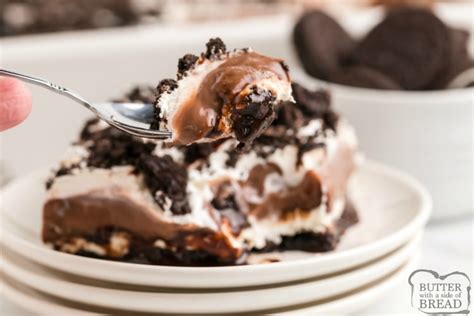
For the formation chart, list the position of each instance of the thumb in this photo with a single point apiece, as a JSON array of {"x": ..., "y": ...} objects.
[{"x": 15, "y": 103}]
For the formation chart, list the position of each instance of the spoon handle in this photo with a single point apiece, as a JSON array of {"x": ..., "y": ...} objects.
[
  {"x": 48, "y": 85},
  {"x": 110, "y": 119}
]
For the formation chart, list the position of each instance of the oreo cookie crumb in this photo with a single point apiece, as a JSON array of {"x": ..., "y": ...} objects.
[
  {"x": 289, "y": 115},
  {"x": 112, "y": 147},
  {"x": 165, "y": 86},
  {"x": 86, "y": 133},
  {"x": 60, "y": 172},
  {"x": 197, "y": 151},
  {"x": 304, "y": 148},
  {"x": 186, "y": 63},
  {"x": 253, "y": 119},
  {"x": 163, "y": 174},
  {"x": 285, "y": 66},
  {"x": 315, "y": 104},
  {"x": 155, "y": 124},
  {"x": 214, "y": 48}
]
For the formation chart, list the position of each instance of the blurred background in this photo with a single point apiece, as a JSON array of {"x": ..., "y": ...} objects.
[{"x": 102, "y": 48}]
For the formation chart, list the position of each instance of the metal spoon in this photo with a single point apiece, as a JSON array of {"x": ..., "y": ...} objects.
[{"x": 131, "y": 118}]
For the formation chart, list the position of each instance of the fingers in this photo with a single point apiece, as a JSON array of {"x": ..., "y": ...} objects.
[{"x": 15, "y": 103}]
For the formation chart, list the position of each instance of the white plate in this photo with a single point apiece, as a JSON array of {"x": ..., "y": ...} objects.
[
  {"x": 31, "y": 301},
  {"x": 39, "y": 303},
  {"x": 199, "y": 301},
  {"x": 391, "y": 204},
  {"x": 359, "y": 300}
]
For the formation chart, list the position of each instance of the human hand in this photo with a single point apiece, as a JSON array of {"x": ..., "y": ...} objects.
[{"x": 15, "y": 103}]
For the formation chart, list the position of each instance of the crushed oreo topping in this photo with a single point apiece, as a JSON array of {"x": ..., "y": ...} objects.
[
  {"x": 215, "y": 48},
  {"x": 58, "y": 173},
  {"x": 285, "y": 66},
  {"x": 86, "y": 132},
  {"x": 315, "y": 104},
  {"x": 166, "y": 85},
  {"x": 155, "y": 124},
  {"x": 111, "y": 147},
  {"x": 186, "y": 63},
  {"x": 163, "y": 174},
  {"x": 198, "y": 151}
]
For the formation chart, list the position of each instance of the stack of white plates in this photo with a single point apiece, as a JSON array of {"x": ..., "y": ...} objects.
[{"x": 371, "y": 258}]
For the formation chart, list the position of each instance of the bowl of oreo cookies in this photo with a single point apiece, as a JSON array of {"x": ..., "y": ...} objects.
[{"x": 406, "y": 83}]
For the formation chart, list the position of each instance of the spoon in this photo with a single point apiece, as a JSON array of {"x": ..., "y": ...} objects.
[{"x": 131, "y": 118}]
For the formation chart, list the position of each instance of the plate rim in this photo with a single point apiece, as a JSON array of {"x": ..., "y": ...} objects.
[
  {"x": 347, "y": 303},
  {"x": 389, "y": 242},
  {"x": 95, "y": 295}
]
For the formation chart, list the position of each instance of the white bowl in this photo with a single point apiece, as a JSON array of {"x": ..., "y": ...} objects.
[{"x": 426, "y": 133}]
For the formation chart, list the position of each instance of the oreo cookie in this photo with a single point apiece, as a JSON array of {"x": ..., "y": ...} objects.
[
  {"x": 411, "y": 45},
  {"x": 464, "y": 79},
  {"x": 458, "y": 59},
  {"x": 321, "y": 43},
  {"x": 364, "y": 77}
]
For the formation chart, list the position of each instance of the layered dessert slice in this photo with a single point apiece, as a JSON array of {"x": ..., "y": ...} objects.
[
  {"x": 222, "y": 94},
  {"x": 119, "y": 197}
]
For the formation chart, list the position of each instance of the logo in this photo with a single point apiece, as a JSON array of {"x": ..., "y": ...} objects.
[{"x": 432, "y": 293}]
